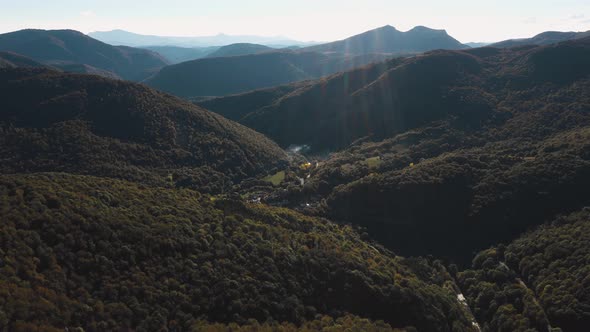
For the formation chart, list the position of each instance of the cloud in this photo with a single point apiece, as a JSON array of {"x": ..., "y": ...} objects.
[
  {"x": 87, "y": 13},
  {"x": 577, "y": 17}
]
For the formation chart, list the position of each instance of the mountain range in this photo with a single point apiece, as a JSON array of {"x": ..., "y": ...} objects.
[
  {"x": 545, "y": 38},
  {"x": 75, "y": 51},
  {"x": 375, "y": 95},
  {"x": 223, "y": 76},
  {"x": 365, "y": 188},
  {"x": 121, "y": 37},
  {"x": 423, "y": 157}
]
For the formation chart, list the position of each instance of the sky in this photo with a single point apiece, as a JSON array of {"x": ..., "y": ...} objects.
[{"x": 303, "y": 20}]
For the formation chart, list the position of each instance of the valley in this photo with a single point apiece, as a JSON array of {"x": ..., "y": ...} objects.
[{"x": 388, "y": 181}]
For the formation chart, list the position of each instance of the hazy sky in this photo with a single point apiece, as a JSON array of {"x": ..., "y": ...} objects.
[{"x": 306, "y": 20}]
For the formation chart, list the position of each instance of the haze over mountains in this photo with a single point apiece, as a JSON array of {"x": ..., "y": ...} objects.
[
  {"x": 392, "y": 181},
  {"x": 121, "y": 37},
  {"x": 224, "y": 76}
]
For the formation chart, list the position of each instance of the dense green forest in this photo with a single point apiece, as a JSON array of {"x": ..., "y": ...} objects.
[
  {"x": 540, "y": 281},
  {"x": 477, "y": 88},
  {"x": 474, "y": 176},
  {"x": 442, "y": 192},
  {"x": 82, "y": 124},
  {"x": 107, "y": 255}
]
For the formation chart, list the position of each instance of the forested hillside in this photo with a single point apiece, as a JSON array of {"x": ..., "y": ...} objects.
[
  {"x": 385, "y": 99},
  {"x": 82, "y": 124},
  {"x": 463, "y": 177},
  {"x": 102, "y": 254},
  {"x": 446, "y": 191},
  {"x": 539, "y": 281},
  {"x": 236, "y": 74}
]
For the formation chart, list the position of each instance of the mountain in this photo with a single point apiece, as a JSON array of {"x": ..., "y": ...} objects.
[
  {"x": 387, "y": 39},
  {"x": 175, "y": 54},
  {"x": 81, "y": 124},
  {"x": 388, "y": 98},
  {"x": 109, "y": 255},
  {"x": 13, "y": 60},
  {"x": 244, "y": 73},
  {"x": 529, "y": 283},
  {"x": 121, "y": 37},
  {"x": 238, "y": 49},
  {"x": 68, "y": 49},
  {"x": 545, "y": 38},
  {"x": 477, "y": 44},
  {"x": 229, "y": 75},
  {"x": 467, "y": 147}
]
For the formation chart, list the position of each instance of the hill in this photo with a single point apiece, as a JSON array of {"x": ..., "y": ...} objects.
[
  {"x": 13, "y": 60},
  {"x": 230, "y": 75},
  {"x": 72, "y": 49},
  {"x": 391, "y": 97},
  {"x": 82, "y": 124},
  {"x": 545, "y": 38},
  {"x": 175, "y": 54},
  {"x": 238, "y": 49},
  {"x": 387, "y": 39},
  {"x": 470, "y": 155},
  {"x": 101, "y": 254},
  {"x": 539, "y": 281}
]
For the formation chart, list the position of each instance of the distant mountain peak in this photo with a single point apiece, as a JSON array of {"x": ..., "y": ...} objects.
[
  {"x": 388, "y": 39},
  {"x": 421, "y": 28},
  {"x": 387, "y": 27}
]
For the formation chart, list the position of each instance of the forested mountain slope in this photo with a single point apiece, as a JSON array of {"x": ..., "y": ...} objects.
[
  {"x": 229, "y": 75},
  {"x": 540, "y": 281},
  {"x": 385, "y": 99},
  {"x": 83, "y": 124},
  {"x": 103, "y": 254},
  {"x": 484, "y": 157}
]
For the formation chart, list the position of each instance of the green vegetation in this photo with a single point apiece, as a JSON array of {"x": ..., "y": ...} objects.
[
  {"x": 476, "y": 181},
  {"x": 543, "y": 282},
  {"x": 123, "y": 208},
  {"x": 276, "y": 179},
  {"x": 103, "y": 254},
  {"x": 82, "y": 124},
  {"x": 373, "y": 162}
]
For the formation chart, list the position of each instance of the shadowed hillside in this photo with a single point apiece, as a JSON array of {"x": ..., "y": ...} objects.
[
  {"x": 238, "y": 49},
  {"x": 175, "y": 54},
  {"x": 80, "y": 124},
  {"x": 13, "y": 60},
  {"x": 384, "y": 99},
  {"x": 494, "y": 142},
  {"x": 229, "y": 75},
  {"x": 538, "y": 281},
  {"x": 68, "y": 49}
]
